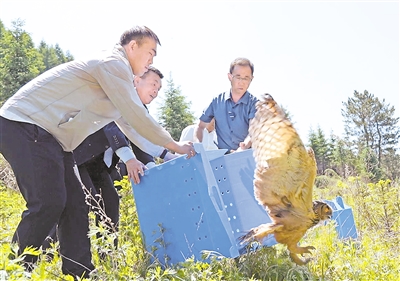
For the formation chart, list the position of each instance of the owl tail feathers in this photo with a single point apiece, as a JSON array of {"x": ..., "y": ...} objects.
[{"x": 260, "y": 232}]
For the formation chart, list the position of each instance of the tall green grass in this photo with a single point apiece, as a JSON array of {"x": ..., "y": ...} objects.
[{"x": 373, "y": 256}]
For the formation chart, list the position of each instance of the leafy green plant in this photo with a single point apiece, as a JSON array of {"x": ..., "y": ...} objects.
[{"x": 372, "y": 256}]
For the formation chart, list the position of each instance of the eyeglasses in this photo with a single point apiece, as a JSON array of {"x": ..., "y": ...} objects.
[
  {"x": 231, "y": 115},
  {"x": 244, "y": 79}
]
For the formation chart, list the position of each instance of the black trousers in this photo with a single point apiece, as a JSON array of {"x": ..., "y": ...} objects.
[
  {"x": 53, "y": 194},
  {"x": 96, "y": 178},
  {"x": 97, "y": 181}
]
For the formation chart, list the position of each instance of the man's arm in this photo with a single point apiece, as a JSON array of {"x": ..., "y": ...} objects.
[
  {"x": 200, "y": 129},
  {"x": 118, "y": 142},
  {"x": 151, "y": 148},
  {"x": 116, "y": 79},
  {"x": 120, "y": 145}
]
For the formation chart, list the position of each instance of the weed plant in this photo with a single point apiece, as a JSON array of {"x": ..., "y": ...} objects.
[{"x": 372, "y": 256}]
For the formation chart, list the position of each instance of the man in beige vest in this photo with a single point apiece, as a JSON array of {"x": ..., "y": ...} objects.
[{"x": 50, "y": 116}]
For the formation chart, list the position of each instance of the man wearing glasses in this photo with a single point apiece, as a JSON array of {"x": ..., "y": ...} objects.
[{"x": 232, "y": 109}]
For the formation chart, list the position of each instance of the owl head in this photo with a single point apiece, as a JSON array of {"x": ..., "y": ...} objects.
[{"x": 322, "y": 210}]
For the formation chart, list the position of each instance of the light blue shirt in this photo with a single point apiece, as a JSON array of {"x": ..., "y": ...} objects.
[{"x": 231, "y": 119}]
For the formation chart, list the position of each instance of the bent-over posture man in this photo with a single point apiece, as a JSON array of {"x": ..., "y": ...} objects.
[
  {"x": 95, "y": 165},
  {"x": 50, "y": 116}
]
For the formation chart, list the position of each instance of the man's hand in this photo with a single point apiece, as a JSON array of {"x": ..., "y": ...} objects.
[
  {"x": 184, "y": 147},
  {"x": 134, "y": 167},
  {"x": 246, "y": 144}
]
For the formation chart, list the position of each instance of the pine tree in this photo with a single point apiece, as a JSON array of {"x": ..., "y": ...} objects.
[
  {"x": 372, "y": 128},
  {"x": 343, "y": 157},
  {"x": 50, "y": 59},
  {"x": 174, "y": 112},
  {"x": 20, "y": 61},
  {"x": 319, "y": 144},
  {"x": 53, "y": 56}
]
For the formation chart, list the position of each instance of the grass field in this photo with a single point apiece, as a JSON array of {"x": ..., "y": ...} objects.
[{"x": 372, "y": 256}]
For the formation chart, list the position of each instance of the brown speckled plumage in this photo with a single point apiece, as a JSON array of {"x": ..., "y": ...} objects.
[{"x": 283, "y": 180}]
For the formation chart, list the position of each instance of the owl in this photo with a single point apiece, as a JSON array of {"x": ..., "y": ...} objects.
[{"x": 283, "y": 180}]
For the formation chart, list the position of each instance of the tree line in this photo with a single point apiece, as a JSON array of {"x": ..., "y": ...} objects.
[
  {"x": 368, "y": 148},
  {"x": 21, "y": 61}
]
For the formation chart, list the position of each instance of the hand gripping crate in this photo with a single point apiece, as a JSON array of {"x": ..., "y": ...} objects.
[{"x": 187, "y": 206}]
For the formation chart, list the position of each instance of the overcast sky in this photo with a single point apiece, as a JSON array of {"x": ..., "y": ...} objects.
[{"x": 310, "y": 56}]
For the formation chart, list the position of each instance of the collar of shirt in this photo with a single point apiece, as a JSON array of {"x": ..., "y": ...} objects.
[{"x": 244, "y": 99}]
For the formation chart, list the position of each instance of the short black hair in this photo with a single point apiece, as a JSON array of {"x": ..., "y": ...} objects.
[
  {"x": 138, "y": 33},
  {"x": 155, "y": 70}
]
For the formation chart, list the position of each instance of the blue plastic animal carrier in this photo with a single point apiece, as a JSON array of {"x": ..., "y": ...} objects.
[{"x": 187, "y": 206}]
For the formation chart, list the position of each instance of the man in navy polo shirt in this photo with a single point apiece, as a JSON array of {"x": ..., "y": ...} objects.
[{"x": 232, "y": 110}]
